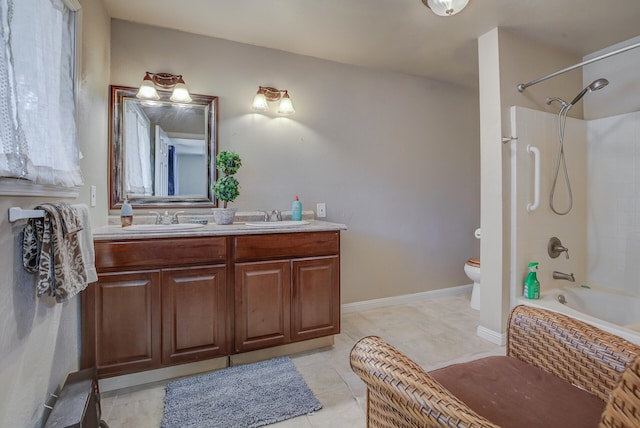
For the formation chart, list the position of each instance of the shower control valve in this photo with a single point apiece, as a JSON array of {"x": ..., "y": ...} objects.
[{"x": 555, "y": 248}]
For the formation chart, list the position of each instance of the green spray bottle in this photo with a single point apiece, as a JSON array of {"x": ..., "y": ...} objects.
[{"x": 531, "y": 283}]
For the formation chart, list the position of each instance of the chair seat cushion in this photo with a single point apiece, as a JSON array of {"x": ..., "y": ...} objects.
[{"x": 511, "y": 393}]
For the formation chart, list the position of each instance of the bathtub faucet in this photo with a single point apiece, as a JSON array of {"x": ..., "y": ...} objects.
[{"x": 561, "y": 275}]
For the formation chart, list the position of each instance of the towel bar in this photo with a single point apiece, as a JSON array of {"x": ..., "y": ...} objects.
[{"x": 17, "y": 213}]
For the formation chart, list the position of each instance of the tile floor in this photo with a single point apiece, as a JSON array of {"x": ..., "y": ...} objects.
[{"x": 434, "y": 333}]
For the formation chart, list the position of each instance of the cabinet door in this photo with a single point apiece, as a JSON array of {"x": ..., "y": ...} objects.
[
  {"x": 121, "y": 326},
  {"x": 262, "y": 308},
  {"x": 315, "y": 307},
  {"x": 194, "y": 312}
]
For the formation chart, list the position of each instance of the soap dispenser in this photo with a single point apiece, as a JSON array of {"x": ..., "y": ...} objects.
[
  {"x": 296, "y": 210},
  {"x": 126, "y": 213}
]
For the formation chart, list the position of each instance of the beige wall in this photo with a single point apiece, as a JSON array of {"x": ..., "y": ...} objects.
[
  {"x": 39, "y": 344},
  {"x": 505, "y": 60},
  {"x": 395, "y": 157}
]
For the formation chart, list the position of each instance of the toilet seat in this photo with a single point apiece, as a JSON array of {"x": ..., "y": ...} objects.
[
  {"x": 472, "y": 269},
  {"x": 475, "y": 262}
]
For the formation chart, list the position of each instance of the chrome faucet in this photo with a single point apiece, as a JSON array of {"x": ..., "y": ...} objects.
[
  {"x": 166, "y": 218},
  {"x": 174, "y": 217},
  {"x": 275, "y": 215},
  {"x": 561, "y": 275},
  {"x": 157, "y": 214}
]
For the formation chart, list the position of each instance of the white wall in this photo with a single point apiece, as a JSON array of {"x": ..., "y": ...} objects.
[
  {"x": 395, "y": 157},
  {"x": 39, "y": 340},
  {"x": 613, "y": 155},
  {"x": 614, "y": 202}
]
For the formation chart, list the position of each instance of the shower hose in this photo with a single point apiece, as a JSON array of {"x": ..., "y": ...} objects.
[{"x": 562, "y": 121}]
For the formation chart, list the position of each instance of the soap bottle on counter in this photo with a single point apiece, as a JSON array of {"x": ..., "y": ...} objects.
[
  {"x": 296, "y": 210},
  {"x": 126, "y": 213},
  {"x": 531, "y": 283}
]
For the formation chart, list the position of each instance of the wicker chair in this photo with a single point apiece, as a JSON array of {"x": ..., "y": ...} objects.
[{"x": 401, "y": 394}]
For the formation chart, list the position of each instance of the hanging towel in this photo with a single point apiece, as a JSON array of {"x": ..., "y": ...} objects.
[
  {"x": 51, "y": 249},
  {"x": 85, "y": 239}
]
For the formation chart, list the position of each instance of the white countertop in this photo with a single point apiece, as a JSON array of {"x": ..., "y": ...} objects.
[{"x": 238, "y": 228}]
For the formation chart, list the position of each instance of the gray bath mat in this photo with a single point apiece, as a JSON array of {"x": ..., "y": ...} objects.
[{"x": 251, "y": 395}]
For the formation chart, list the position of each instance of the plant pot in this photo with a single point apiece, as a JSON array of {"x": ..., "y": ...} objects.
[{"x": 223, "y": 215}]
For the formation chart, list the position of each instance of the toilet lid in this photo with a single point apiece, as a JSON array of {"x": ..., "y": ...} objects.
[{"x": 474, "y": 262}]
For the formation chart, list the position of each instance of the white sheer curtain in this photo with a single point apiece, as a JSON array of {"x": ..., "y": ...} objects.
[
  {"x": 37, "y": 108},
  {"x": 137, "y": 148}
]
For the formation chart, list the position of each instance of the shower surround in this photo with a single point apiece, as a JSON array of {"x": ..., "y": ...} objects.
[
  {"x": 602, "y": 231},
  {"x": 613, "y": 202}
]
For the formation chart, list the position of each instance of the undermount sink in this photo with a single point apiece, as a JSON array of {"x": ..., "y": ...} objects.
[
  {"x": 276, "y": 224},
  {"x": 162, "y": 227}
]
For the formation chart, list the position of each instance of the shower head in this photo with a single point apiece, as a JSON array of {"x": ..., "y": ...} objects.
[
  {"x": 598, "y": 84},
  {"x": 594, "y": 86}
]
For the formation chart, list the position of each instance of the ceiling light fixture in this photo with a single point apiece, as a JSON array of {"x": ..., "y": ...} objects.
[
  {"x": 148, "y": 90},
  {"x": 445, "y": 7},
  {"x": 267, "y": 94}
]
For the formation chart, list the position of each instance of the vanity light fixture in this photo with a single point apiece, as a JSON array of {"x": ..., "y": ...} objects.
[
  {"x": 267, "y": 94},
  {"x": 445, "y": 7},
  {"x": 148, "y": 90}
]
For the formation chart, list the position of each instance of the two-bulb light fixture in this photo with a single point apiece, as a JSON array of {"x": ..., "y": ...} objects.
[
  {"x": 445, "y": 7},
  {"x": 266, "y": 95},
  {"x": 166, "y": 81}
]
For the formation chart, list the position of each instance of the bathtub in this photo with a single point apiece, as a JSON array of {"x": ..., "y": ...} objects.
[{"x": 609, "y": 310}]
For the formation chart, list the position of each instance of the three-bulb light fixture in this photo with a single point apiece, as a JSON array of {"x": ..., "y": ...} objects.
[
  {"x": 166, "y": 81},
  {"x": 267, "y": 94},
  {"x": 445, "y": 7}
]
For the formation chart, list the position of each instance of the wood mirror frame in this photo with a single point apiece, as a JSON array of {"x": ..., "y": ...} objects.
[{"x": 117, "y": 174}]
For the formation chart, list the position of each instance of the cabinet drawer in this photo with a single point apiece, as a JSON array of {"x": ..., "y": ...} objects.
[
  {"x": 159, "y": 252},
  {"x": 286, "y": 245}
]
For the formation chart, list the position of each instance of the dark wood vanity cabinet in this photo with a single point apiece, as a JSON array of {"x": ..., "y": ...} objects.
[
  {"x": 315, "y": 297},
  {"x": 157, "y": 302},
  {"x": 295, "y": 296},
  {"x": 262, "y": 304},
  {"x": 166, "y": 301},
  {"x": 121, "y": 322},
  {"x": 194, "y": 312}
]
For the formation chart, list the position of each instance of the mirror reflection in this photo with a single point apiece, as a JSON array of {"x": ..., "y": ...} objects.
[{"x": 161, "y": 150}]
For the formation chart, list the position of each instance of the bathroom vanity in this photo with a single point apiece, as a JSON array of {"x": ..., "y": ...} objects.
[{"x": 164, "y": 299}]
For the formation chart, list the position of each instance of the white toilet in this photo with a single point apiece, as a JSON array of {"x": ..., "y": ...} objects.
[{"x": 472, "y": 269}]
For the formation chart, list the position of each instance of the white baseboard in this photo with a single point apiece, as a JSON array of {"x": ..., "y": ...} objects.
[
  {"x": 492, "y": 336},
  {"x": 404, "y": 299}
]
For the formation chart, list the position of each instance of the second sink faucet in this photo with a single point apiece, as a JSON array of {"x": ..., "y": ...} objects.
[
  {"x": 275, "y": 215},
  {"x": 561, "y": 275}
]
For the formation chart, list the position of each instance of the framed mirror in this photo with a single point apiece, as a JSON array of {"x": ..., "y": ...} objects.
[{"x": 162, "y": 153}]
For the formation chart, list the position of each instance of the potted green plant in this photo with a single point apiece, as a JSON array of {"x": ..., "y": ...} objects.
[{"x": 226, "y": 186}]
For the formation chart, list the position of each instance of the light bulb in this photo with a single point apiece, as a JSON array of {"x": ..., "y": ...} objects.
[
  {"x": 286, "y": 106},
  {"x": 147, "y": 90},
  {"x": 260, "y": 102},
  {"x": 180, "y": 93}
]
